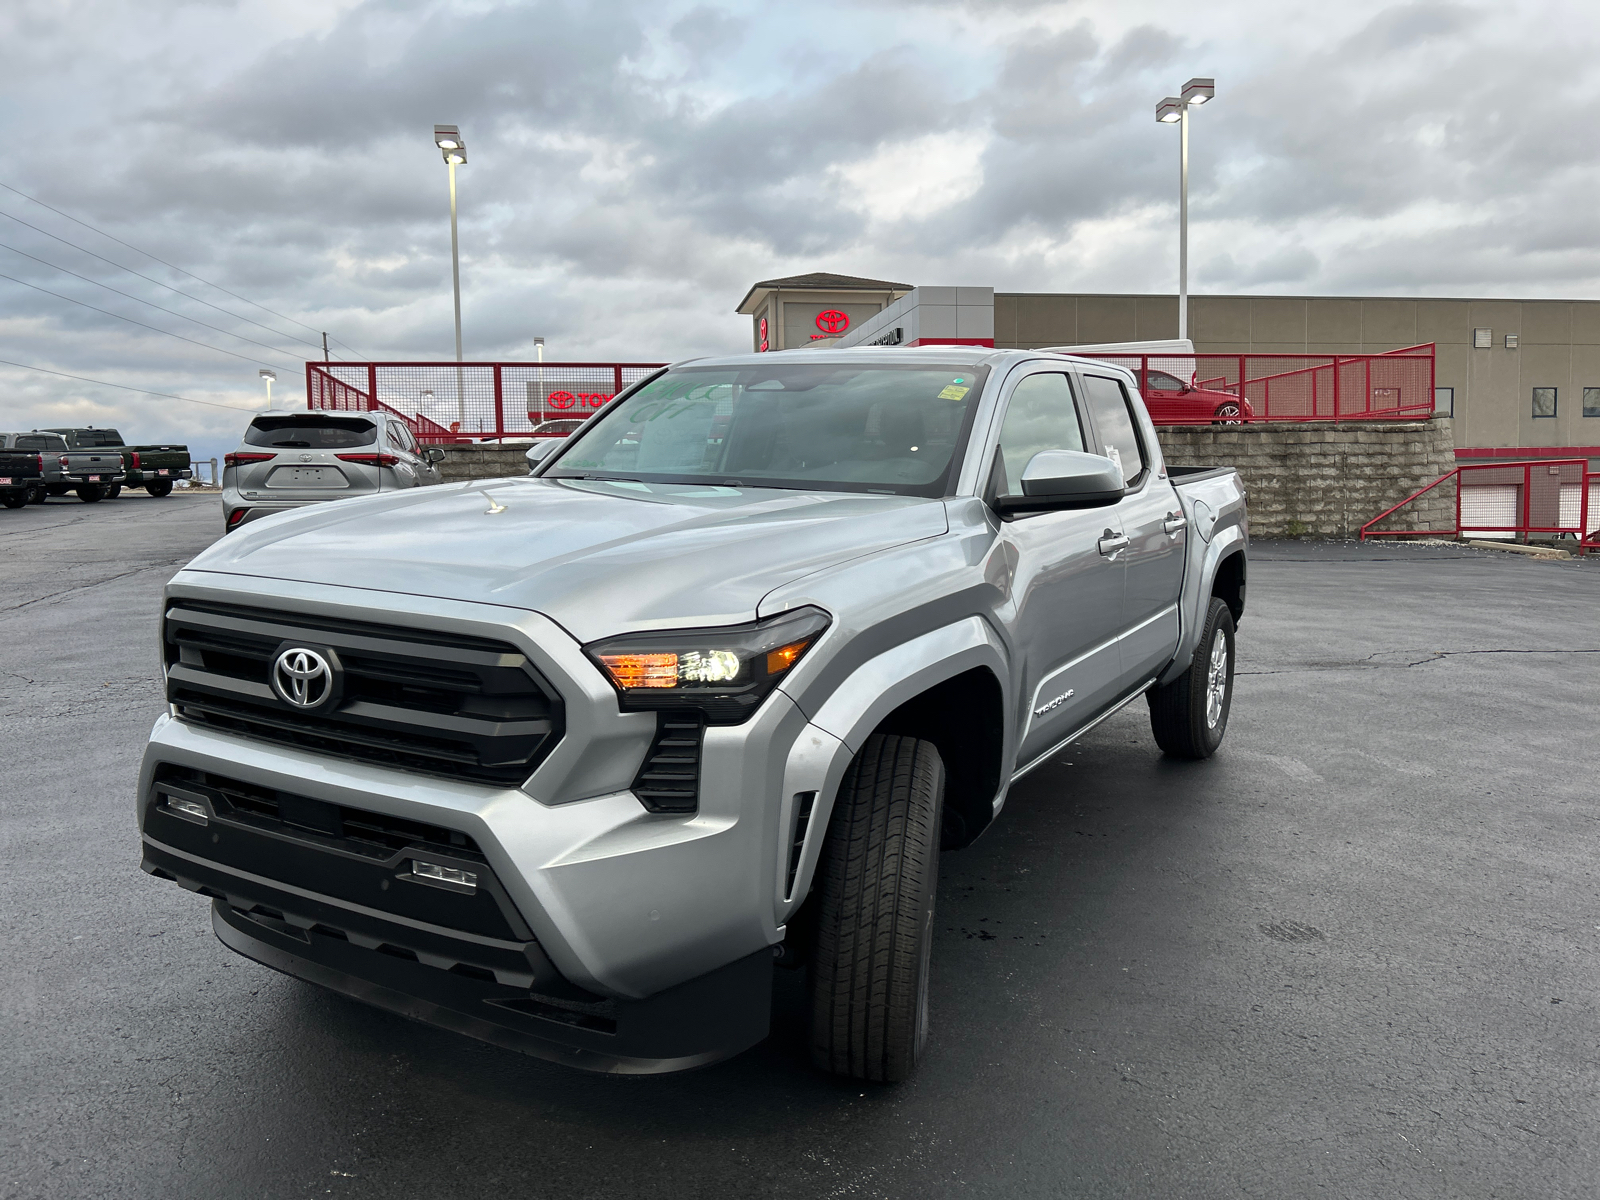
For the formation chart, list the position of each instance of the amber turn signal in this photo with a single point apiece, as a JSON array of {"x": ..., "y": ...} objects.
[
  {"x": 642, "y": 670},
  {"x": 783, "y": 657}
]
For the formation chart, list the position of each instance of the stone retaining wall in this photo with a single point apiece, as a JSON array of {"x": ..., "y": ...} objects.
[
  {"x": 1325, "y": 479},
  {"x": 483, "y": 460},
  {"x": 1322, "y": 480}
]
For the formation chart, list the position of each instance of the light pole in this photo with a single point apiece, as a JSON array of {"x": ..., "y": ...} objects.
[
  {"x": 448, "y": 139},
  {"x": 538, "y": 345},
  {"x": 269, "y": 376},
  {"x": 1175, "y": 109}
]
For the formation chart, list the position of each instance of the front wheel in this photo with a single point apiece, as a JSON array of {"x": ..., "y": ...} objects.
[
  {"x": 1228, "y": 414},
  {"x": 90, "y": 493},
  {"x": 160, "y": 488},
  {"x": 1189, "y": 715},
  {"x": 874, "y": 896}
]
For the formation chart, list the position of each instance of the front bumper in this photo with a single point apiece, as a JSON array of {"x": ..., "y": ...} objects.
[{"x": 369, "y": 958}]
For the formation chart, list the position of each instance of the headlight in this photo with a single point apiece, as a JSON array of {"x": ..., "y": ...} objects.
[{"x": 725, "y": 672}]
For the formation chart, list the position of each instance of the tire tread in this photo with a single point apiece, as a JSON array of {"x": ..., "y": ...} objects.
[{"x": 875, "y": 885}]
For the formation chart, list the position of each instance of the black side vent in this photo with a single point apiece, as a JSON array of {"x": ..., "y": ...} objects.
[
  {"x": 669, "y": 780},
  {"x": 803, "y": 804}
]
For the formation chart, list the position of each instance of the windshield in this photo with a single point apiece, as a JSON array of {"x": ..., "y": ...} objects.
[
  {"x": 298, "y": 433},
  {"x": 842, "y": 427}
]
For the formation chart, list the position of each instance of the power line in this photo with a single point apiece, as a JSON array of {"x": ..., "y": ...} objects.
[
  {"x": 162, "y": 261},
  {"x": 152, "y": 279},
  {"x": 352, "y": 349},
  {"x": 131, "y": 321},
  {"x": 141, "y": 300},
  {"x": 123, "y": 386}
]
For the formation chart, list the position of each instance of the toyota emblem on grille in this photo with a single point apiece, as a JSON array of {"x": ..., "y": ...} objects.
[{"x": 302, "y": 678}]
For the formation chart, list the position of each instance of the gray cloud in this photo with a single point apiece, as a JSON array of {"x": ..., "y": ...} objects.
[{"x": 634, "y": 166}]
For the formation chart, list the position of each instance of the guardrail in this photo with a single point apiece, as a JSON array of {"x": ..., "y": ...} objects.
[
  {"x": 1559, "y": 497},
  {"x": 447, "y": 402},
  {"x": 1189, "y": 389}
]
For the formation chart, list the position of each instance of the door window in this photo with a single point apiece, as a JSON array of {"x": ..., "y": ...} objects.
[
  {"x": 1042, "y": 415},
  {"x": 1113, "y": 417}
]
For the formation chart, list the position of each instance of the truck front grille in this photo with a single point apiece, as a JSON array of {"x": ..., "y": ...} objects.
[{"x": 438, "y": 703}]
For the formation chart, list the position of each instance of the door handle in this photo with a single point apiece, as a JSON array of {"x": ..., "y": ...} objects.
[
  {"x": 1175, "y": 524},
  {"x": 1112, "y": 542}
]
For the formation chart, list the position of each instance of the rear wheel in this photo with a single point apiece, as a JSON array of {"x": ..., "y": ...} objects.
[
  {"x": 38, "y": 495},
  {"x": 1189, "y": 715},
  {"x": 90, "y": 493},
  {"x": 113, "y": 491},
  {"x": 874, "y": 896},
  {"x": 162, "y": 487},
  {"x": 58, "y": 489},
  {"x": 17, "y": 499}
]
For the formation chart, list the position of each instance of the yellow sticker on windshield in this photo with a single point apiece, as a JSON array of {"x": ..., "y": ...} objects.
[{"x": 953, "y": 392}]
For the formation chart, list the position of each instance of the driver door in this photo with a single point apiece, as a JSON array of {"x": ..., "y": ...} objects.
[{"x": 1067, "y": 584}]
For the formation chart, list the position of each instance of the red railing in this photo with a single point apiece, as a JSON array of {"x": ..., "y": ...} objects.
[
  {"x": 1496, "y": 500},
  {"x": 470, "y": 402},
  {"x": 1188, "y": 389}
]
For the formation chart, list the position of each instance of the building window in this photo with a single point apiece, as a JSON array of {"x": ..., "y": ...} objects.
[
  {"x": 1591, "y": 402},
  {"x": 1544, "y": 402},
  {"x": 1482, "y": 339},
  {"x": 1444, "y": 402}
]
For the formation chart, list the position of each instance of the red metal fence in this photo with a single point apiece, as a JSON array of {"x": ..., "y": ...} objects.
[
  {"x": 463, "y": 402},
  {"x": 1186, "y": 389},
  {"x": 1559, "y": 497},
  {"x": 469, "y": 402}
]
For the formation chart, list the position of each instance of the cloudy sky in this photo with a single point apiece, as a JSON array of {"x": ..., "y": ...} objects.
[{"x": 267, "y": 169}]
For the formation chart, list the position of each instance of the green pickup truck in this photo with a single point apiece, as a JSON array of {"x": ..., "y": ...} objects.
[{"x": 154, "y": 468}]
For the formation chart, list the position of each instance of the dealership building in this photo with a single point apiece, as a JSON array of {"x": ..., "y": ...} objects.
[{"x": 1514, "y": 379}]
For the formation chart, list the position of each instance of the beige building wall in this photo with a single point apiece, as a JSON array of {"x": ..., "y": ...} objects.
[{"x": 1558, "y": 345}]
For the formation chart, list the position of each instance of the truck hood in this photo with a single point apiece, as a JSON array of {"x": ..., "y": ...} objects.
[{"x": 599, "y": 558}]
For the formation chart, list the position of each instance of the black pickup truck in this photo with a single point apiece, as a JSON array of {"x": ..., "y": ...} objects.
[
  {"x": 21, "y": 477},
  {"x": 154, "y": 468}
]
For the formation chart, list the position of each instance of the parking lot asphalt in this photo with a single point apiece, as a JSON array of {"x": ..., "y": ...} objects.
[{"x": 1353, "y": 955}]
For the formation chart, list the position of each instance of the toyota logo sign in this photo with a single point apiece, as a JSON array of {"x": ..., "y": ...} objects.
[
  {"x": 833, "y": 322},
  {"x": 303, "y": 678}
]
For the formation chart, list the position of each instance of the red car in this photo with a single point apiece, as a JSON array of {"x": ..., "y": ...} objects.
[{"x": 1173, "y": 402}]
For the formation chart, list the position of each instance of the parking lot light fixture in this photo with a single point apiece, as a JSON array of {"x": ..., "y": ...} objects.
[
  {"x": 454, "y": 148},
  {"x": 1174, "y": 110},
  {"x": 269, "y": 376}
]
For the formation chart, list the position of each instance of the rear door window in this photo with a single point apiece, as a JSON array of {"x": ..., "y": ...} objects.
[
  {"x": 1113, "y": 418},
  {"x": 297, "y": 433}
]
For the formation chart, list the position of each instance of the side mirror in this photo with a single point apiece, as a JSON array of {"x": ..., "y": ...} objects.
[
  {"x": 538, "y": 452},
  {"x": 434, "y": 454},
  {"x": 1066, "y": 479}
]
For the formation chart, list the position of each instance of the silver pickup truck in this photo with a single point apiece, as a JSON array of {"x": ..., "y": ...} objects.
[
  {"x": 94, "y": 474},
  {"x": 571, "y": 763}
]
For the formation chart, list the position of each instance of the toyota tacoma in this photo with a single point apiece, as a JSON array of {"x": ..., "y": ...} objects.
[{"x": 571, "y": 763}]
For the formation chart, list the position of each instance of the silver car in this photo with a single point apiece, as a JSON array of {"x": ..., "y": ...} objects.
[{"x": 290, "y": 459}]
